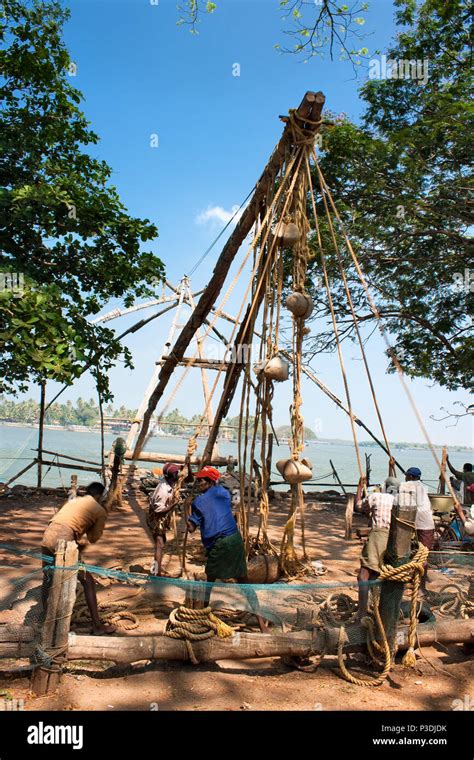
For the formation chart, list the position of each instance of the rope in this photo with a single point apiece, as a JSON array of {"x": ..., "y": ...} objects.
[
  {"x": 382, "y": 330},
  {"x": 334, "y": 324},
  {"x": 196, "y": 625},
  {"x": 411, "y": 572},
  {"x": 115, "y": 613},
  {"x": 458, "y": 605}
]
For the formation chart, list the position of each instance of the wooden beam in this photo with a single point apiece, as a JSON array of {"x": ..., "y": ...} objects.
[{"x": 223, "y": 264}]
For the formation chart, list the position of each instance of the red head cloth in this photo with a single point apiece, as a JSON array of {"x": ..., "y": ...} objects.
[
  {"x": 209, "y": 472},
  {"x": 171, "y": 470}
]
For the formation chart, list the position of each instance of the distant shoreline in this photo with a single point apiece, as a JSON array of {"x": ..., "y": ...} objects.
[{"x": 367, "y": 444}]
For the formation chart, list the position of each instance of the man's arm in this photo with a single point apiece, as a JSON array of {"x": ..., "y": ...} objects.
[
  {"x": 457, "y": 473},
  {"x": 95, "y": 532}
]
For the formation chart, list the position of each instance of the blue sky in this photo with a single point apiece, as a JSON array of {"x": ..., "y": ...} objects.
[{"x": 142, "y": 75}]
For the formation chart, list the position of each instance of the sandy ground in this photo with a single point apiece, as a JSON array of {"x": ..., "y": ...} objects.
[{"x": 443, "y": 674}]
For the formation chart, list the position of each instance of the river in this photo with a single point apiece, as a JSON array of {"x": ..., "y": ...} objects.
[{"x": 17, "y": 446}]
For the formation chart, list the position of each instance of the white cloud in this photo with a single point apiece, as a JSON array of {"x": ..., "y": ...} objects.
[{"x": 218, "y": 214}]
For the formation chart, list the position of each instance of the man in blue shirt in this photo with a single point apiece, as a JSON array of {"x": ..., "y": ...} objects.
[{"x": 212, "y": 512}]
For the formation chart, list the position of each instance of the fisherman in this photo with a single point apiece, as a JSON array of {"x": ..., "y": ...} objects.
[
  {"x": 211, "y": 511},
  {"x": 372, "y": 558},
  {"x": 83, "y": 515},
  {"x": 467, "y": 479},
  {"x": 424, "y": 521},
  {"x": 162, "y": 502}
]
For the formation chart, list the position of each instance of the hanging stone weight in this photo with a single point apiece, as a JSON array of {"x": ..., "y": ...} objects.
[
  {"x": 295, "y": 471},
  {"x": 276, "y": 369},
  {"x": 288, "y": 234},
  {"x": 300, "y": 304}
]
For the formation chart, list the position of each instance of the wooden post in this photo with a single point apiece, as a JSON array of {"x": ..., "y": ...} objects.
[
  {"x": 119, "y": 448},
  {"x": 397, "y": 553},
  {"x": 442, "y": 477},
  {"x": 40, "y": 433},
  {"x": 55, "y": 632},
  {"x": 348, "y": 516},
  {"x": 73, "y": 490},
  {"x": 269, "y": 458},
  {"x": 367, "y": 469},
  {"x": 337, "y": 476}
]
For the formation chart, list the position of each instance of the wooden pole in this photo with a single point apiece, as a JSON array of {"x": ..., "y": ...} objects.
[
  {"x": 40, "y": 432},
  {"x": 55, "y": 632},
  {"x": 73, "y": 490},
  {"x": 397, "y": 553},
  {"x": 337, "y": 476},
  {"x": 348, "y": 516},
  {"x": 71, "y": 466},
  {"x": 442, "y": 477},
  {"x": 223, "y": 264}
]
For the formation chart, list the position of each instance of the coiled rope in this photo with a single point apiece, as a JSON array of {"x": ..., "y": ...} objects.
[{"x": 195, "y": 625}]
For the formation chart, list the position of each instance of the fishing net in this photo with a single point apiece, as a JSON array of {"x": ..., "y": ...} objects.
[{"x": 140, "y": 604}]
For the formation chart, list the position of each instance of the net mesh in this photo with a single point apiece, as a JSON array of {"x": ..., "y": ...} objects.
[{"x": 140, "y": 604}]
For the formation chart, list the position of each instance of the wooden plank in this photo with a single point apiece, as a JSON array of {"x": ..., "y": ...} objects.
[
  {"x": 221, "y": 269},
  {"x": 67, "y": 466}
]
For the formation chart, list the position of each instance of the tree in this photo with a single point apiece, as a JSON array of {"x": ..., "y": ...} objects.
[
  {"x": 400, "y": 184},
  {"x": 63, "y": 228},
  {"x": 314, "y": 26}
]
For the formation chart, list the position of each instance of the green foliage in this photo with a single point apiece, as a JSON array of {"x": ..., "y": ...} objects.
[
  {"x": 400, "y": 182},
  {"x": 61, "y": 223}
]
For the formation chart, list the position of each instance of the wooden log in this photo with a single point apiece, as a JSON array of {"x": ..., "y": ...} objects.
[
  {"x": 54, "y": 635},
  {"x": 348, "y": 516},
  {"x": 154, "y": 456},
  {"x": 127, "y": 649},
  {"x": 221, "y": 269}
]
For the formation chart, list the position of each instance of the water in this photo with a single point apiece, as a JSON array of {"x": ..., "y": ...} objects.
[{"x": 16, "y": 444}]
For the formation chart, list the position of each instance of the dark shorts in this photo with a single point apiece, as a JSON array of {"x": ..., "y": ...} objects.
[
  {"x": 54, "y": 533},
  {"x": 426, "y": 537},
  {"x": 158, "y": 524},
  {"x": 226, "y": 559}
]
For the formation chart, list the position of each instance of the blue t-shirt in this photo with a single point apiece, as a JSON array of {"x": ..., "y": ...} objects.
[{"x": 212, "y": 512}]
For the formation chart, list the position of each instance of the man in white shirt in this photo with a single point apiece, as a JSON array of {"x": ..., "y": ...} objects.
[
  {"x": 372, "y": 557},
  {"x": 414, "y": 493}
]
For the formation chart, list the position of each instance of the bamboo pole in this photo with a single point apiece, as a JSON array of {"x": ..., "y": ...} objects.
[
  {"x": 40, "y": 433},
  {"x": 221, "y": 269},
  {"x": 337, "y": 476}
]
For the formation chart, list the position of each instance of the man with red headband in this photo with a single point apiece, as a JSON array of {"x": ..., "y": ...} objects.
[
  {"x": 162, "y": 502},
  {"x": 212, "y": 512}
]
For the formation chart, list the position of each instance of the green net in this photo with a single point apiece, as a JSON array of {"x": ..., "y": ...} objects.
[{"x": 140, "y": 604}]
